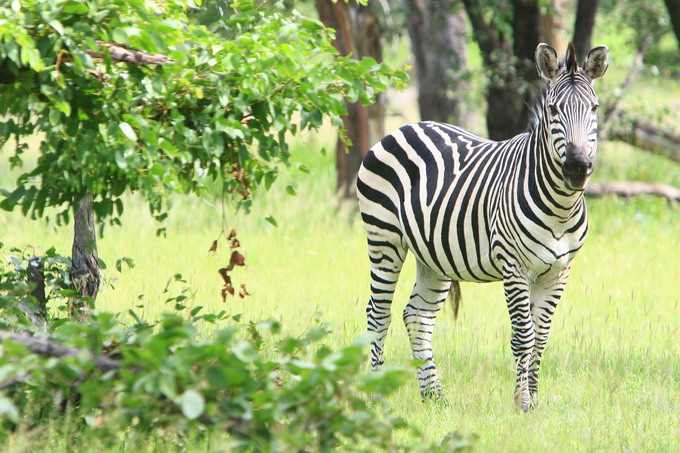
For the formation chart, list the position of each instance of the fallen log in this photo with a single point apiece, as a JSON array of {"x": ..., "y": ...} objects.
[
  {"x": 630, "y": 189},
  {"x": 647, "y": 136}
]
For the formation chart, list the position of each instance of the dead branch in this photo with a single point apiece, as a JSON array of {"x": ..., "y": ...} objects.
[
  {"x": 630, "y": 189},
  {"x": 125, "y": 55},
  {"x": 50, "y": 348},
  {"x": 118, "y": 54}
]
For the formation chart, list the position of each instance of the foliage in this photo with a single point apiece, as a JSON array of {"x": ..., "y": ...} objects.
[
  {"x": 191, "y": 372},
  {"x": 16, "y": 298},
  {"x": 646, "y": 20},
  {"x": 219, "y": 111}
]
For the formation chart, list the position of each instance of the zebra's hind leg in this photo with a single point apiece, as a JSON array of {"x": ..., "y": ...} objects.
[
  {"x": 429, "y": 293},
  {"x": 544, "y": 299},
  {"x": 523, "y": 335},
  {"x": 387, "y": 258}
]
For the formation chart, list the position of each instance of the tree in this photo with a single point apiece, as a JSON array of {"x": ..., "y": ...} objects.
[
  {"x": 357, "y": 34},
  {"x": 673, "y": 7},
  {"x": 133, "y": 96},
  {"x": 437, "y": 29},
  {"x": 583, "y": 27},
  {"x": 507, "y": 40}
]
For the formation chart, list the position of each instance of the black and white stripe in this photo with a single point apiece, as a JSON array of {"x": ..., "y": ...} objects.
[{"x": 472, "y": 209}]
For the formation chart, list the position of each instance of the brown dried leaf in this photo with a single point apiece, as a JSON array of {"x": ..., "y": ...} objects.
[
  {"x": 243, "y": 293},
  {"x": 213, "y": 247},
  {"x": 237, "y": 259},
  {"x": 225, "y": 276}
]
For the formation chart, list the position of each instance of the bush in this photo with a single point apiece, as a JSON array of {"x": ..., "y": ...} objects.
[{"x": 194, "y": 377}]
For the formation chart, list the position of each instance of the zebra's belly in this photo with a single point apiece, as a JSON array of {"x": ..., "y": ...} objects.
[
  {"x": 462, "y": 260},
  {"x": 541, "y": 260}
]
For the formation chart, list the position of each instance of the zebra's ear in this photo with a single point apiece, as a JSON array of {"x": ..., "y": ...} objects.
[
  {"x": 546, "y": 61},
  {"x": 596, "y": 62}
]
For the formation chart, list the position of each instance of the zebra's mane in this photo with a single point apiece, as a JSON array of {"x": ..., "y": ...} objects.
[{"x": 536, "y": 110}]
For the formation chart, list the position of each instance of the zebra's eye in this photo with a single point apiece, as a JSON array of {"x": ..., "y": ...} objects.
[
  {"x": 553, "y": 110},
  {"x": 594, "y": 109}
]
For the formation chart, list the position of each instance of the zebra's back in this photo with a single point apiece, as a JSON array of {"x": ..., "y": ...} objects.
[{"x": 432, "y": 188}]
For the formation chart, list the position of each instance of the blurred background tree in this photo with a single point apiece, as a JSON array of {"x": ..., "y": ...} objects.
[{"x": 443, "y": 36}]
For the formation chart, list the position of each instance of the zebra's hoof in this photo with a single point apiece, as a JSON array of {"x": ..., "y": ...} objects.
[
  {"x": 436, "y": 395},
  {"x": 534, "y": 401},
  {"x": 523, "y": 403}
]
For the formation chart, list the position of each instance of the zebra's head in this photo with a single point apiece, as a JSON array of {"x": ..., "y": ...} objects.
[{"x": 569, "y": 107}]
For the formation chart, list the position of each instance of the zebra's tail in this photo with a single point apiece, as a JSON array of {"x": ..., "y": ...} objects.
[{"x": 455, "y": 296}]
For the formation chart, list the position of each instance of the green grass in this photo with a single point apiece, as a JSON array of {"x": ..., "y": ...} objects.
[{"x": 611, "y": 376}]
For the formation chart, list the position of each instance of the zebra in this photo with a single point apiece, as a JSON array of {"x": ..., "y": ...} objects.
[{"x": 476, "y": 210}]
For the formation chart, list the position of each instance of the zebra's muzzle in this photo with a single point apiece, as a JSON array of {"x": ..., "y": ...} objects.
[{"x": 577, "y": 167}]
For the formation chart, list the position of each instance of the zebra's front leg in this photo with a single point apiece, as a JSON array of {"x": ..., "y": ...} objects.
[
  {"x": 429, "y": 293},
  {"x": 544, "y": 299},
  {"x": 523, "y": 336}
]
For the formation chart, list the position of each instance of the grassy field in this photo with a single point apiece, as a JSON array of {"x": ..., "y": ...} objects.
[{"x": 611, "y": 376}]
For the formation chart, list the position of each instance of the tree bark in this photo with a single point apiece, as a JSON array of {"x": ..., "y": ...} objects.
[
  {"x": 439, "y": 46},
  {"x": 583, "y": 28},
  {"x": 673, "y": 7},
  {"x": 357, "y": 33},
  {"x": 84, "y": 257}
]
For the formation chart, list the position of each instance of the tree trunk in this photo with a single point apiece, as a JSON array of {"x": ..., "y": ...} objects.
[
  {"x": 36, "y": 275},
  {"x": 510, "y": 64},
  {"x": 552, "y": 27},
  {"x": 583, "y": 28},
  {"x": 438, "y": 43},
  {"x": 527, "y": 35},
  {"x": 357, "y": 33},
  {"x": 673, "y": 7},
  {"x": 84, "y": 257}
]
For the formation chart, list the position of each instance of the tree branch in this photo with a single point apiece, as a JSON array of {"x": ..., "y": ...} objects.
[
  {"x": 50, "y": 348},
  {"x": 125, "y": 55}
]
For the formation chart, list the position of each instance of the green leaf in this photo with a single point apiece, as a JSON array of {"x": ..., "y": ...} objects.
[
  {"x": 312, "y": 25},
  {"x": 271, "y": 220},
  {"x": 13, "y": 199},
  {"x": 128, "y": 131},
  {"x": 119, "y": 35},
  {"x": 192, "y": 404},
  {"x": 8, "y": 409},
  {"x": 74, "y": 7},
  {"x": 245, "y": 351}
]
